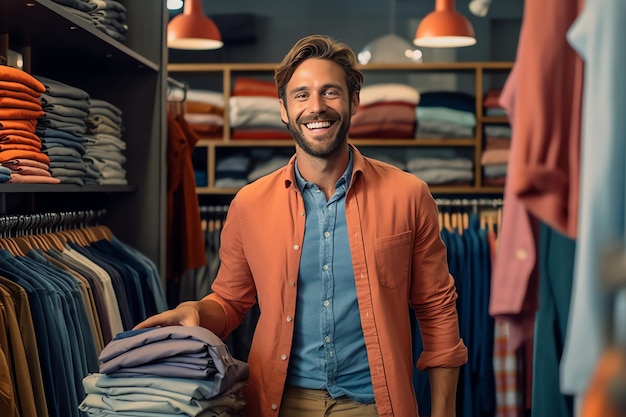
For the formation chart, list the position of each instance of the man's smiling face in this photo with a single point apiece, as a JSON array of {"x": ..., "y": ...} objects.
[{"x": 318, "y": 107}]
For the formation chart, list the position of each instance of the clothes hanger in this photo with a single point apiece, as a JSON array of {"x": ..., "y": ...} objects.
[
  {"x": 24, "y": 243},
  {"x": 14, "y": 248},
  {"x": 36, "y": 238},
  {"x": 447, "y": 222},
  {"x": 453, "y": 220},
  {"x": 460, "y": 224},
  {"x": 66, "y": 220},
  {"x": 48, "y": 234},
  {"x": 55, "y": 241},
  {"x": 8, "y": 223},
  {"x": 60, "y": 241},
  {"x": 87, "y": 230},
  {"x": 491, "y": 224},
  {"x": 104, "y": 232},
  {"x": 10, "y": 246},
  {"x": 20, "y": 244},
  {"x": 74, "y": 236}
]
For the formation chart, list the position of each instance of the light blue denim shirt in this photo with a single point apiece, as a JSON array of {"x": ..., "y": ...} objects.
[{"x": 328, "y": 350}]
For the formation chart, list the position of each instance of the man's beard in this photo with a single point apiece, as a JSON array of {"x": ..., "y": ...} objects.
[{"x": 312, "y": 147}]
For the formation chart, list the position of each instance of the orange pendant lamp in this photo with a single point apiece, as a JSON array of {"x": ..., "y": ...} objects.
[
  {"x": 444, "y": 28},
  {"x": 193, "y": 29}
]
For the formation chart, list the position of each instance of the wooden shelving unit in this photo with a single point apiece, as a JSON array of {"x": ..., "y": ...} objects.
[{"x": 227, "y": 74}]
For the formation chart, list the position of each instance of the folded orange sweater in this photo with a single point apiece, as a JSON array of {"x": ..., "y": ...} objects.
[
  {"x": 18, "y": 153},
  {"x": 14, "y": 74},
  {"x": 22, "y": 124},
  {"x": 21, "y": 95},
  {"x": 18, "y": 87}
]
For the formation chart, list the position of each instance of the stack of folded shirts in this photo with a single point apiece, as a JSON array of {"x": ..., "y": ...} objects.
[
  {"x": 104, "y": 147},
  {"x": 440, "y": 166},
  {"x": 108, "y": 16},
  {"x": 254, "y": 111},
  {"x": 232, "y": 171},
  {"x": 20, "y": 146},
  {"x": 204, "y": 112},
  {"x": 495, "y": 156},
  {"x": 446, "y": 114},
  {"x": 266, "y": 165},
  {"x": 386, "y": 111},
  {"x": 66, "y": 108},
  {"x": 166, "y": 371},
  {"x": 389, "y": 156},
  {"x": 5, "y": 174},
  {"x": 491, "y": 103}
]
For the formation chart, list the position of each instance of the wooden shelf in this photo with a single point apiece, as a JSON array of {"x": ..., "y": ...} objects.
[{"x": 229, "y": 71}]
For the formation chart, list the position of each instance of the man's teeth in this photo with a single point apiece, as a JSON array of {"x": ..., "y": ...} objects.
[{"x": 317, "y": 125}]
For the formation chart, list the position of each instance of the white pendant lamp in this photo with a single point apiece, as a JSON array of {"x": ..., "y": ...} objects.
[{"x": 389, "y": 48}]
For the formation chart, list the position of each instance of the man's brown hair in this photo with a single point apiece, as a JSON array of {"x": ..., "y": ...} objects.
[{"x": 322, "y": 47}]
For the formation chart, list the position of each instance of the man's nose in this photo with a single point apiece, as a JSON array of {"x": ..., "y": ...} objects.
[{"x": 317, "y": 103}]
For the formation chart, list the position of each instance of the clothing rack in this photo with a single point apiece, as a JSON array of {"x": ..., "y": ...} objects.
[
  {"x": 470, "y": 202},
  {"x": 454, "y": 213},
  {"x": 86, "y": 286},
  {"x": 23, "y": 224},
  {"x": 218, "y": 210}
]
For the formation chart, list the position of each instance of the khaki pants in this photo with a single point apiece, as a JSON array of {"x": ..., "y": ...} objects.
[{"x": 301, "y": 402}]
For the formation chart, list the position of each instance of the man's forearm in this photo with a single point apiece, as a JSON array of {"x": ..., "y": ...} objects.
[
  {"x": 212, "y": 317},
  {"x": 443, "y": 386}
]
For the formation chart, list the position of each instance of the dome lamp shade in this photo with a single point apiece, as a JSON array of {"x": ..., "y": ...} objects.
[{"x": 193, "y": 30}]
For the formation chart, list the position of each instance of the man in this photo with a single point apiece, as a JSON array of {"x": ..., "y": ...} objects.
[{"x": 335, "y": 247}]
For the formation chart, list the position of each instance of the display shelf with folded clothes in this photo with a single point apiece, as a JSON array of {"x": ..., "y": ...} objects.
[
  {"x": 405, "y": 106},
  {"x": 495, "y": 154},
  {"x": 254, "y": 110}
]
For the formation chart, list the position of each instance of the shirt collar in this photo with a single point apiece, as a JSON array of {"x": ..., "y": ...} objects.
[{"x": 344, "y": 180}]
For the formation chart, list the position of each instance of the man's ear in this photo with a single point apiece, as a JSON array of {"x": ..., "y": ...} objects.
[
  {"x": 356, "y": 100},
  {"x": 283, "y": 111}
]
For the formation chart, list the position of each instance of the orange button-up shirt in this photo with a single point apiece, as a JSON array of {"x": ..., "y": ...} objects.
[{"x": 399, "y": 260}]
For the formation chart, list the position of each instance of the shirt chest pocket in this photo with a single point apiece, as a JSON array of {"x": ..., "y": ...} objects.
[{"x": 393, "y": 258}]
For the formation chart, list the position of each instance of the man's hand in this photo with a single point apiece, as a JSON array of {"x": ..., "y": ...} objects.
[{"x": 185, "y": 314}]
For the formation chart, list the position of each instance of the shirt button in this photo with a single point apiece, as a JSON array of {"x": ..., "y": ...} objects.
[
  {"x": 521, "y": 254},
  {"x": 292, "y": 284},
  {"x": 327, "y": 339},
  {"x": 326, "y": 234},
  {"x": 296, "y": 247},
  {"x": 274, "y": 407},
  {"x": 283, "y": 357},
  {"x": 325, "y": 267},
  {"x": 289, "y": 318},
  {"x": 326, "y": 303}
]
